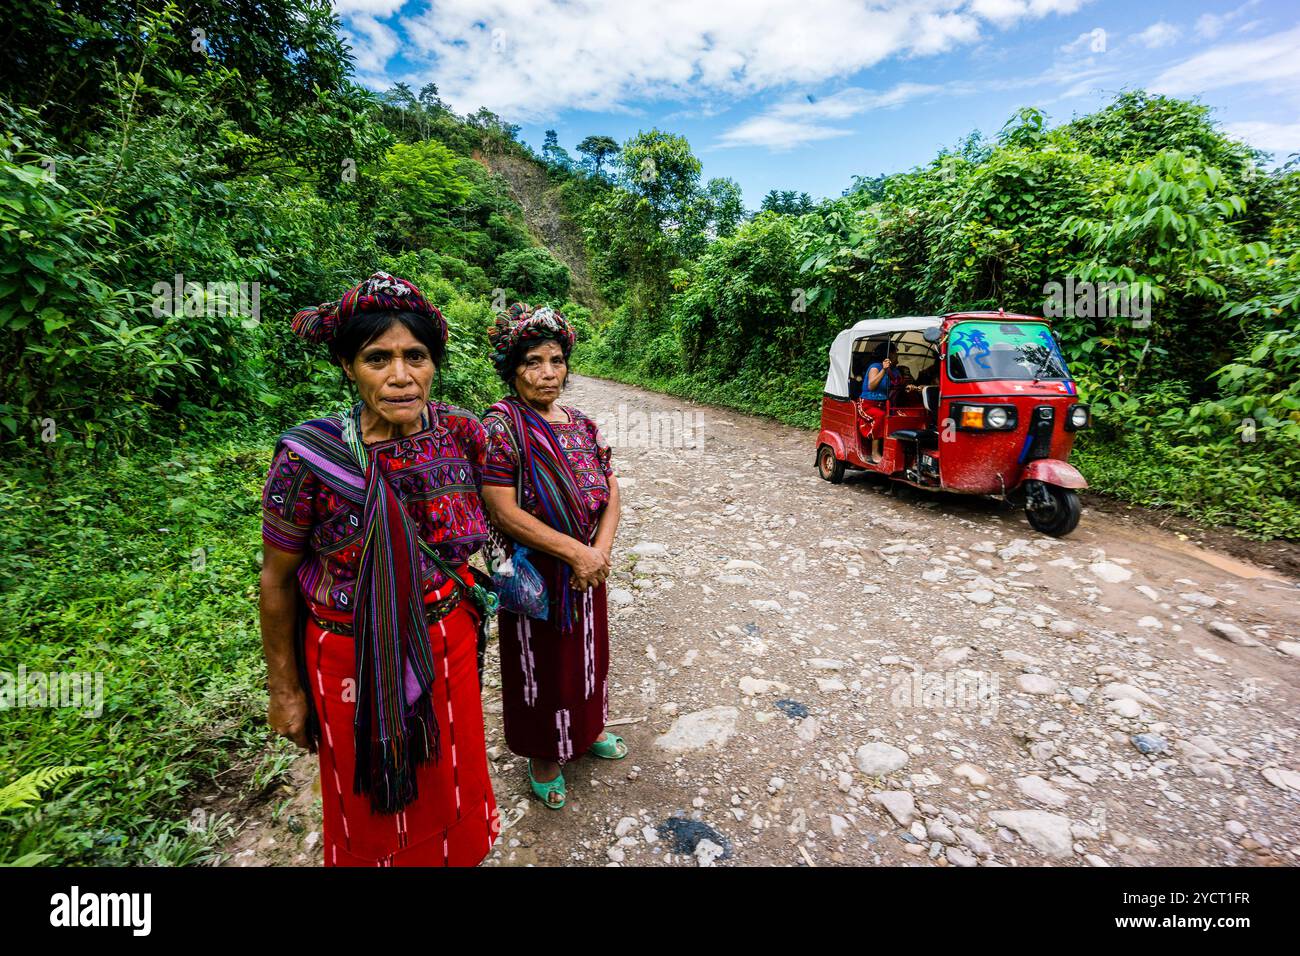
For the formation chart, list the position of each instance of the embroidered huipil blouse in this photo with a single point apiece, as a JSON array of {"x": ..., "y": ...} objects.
[
  {"x": 438, "y": 475},
  {"x": 584, "y": 447}
]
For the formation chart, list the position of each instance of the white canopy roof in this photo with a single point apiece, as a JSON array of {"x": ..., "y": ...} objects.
[{"x": 837, "y": 378}]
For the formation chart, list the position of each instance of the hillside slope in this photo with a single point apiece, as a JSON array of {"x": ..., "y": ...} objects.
[{"x": 547, "y": 220}]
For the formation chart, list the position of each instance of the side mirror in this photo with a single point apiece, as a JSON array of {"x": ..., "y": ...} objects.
[
  {"x": 932, "y": 334},
  {"x": 930, "y": 398}
]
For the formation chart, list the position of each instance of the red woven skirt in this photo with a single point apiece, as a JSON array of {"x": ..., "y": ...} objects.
[
  {"x": 871, "y": 419},
  {"x": 453, "y": 821},
  {"x": 555, "y": 687}
]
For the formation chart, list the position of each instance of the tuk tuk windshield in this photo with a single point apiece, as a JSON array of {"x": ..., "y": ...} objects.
[{"x": 981, "y": 351}]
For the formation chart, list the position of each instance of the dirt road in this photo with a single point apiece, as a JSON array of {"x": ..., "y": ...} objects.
[{"x": 811, "y": 674}]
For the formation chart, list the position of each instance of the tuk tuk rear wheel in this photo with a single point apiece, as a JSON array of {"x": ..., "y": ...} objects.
[
  {"x": 828, "y": 466},
  {"x": 1059, "y": 517}
]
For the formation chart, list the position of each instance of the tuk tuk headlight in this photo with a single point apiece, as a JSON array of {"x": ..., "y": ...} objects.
[
  {"x": 1077, "y": 417},
  {"x": 984, "y": 417}
]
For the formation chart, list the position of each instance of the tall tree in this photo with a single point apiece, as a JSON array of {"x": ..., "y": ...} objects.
[
  {"x": 597, "y": 149},
  {"x": 661, "y": 168}
]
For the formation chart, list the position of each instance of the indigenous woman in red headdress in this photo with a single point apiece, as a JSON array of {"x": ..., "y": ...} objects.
[
  {"x": 551, "y": 491},
  {"x": 371, "y": 619}
]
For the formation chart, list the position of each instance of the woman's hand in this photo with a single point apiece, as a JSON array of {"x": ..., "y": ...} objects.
[
  {"x": 287, "y": 714},
  {"x": 590, "y": 567}
]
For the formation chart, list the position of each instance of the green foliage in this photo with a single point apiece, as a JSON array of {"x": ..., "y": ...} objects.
[
  {"x": 661, "y": 168},
  {"x": 418, "y": 184},
  {"x": 533, "y": 275},
  {"x": 1145, "y": 192},
  {"x": 27, "y": 789},
  {"x": 598, "y": 149}
]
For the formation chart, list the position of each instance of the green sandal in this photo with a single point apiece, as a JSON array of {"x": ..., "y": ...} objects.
[
  {"x": 611, "y": 748},
  {"x": 543, "y": 791}
]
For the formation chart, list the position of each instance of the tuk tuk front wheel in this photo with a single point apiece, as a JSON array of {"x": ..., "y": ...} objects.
[
  {"x": 1052, "y": 510},
  {"x": 828, "y": 466}
]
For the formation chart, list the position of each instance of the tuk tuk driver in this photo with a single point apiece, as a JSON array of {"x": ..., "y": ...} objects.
[{"x": 881, "y": 378}]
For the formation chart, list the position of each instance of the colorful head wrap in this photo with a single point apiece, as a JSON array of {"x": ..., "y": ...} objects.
[
  {"x": 380, "y": 293},
  {"x": 522, "y": 323}
]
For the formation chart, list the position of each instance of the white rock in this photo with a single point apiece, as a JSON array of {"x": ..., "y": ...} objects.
[
  {"x": 1149, "y": 621},
  {"x": 980, "y": 597},
  {"x": 1282, "y": 779},
  {"x": 974, "y": 842},
  {"x": 706, "y": 851},
  {"x": 1232, "y": 633},
  {"x": 620, "y": 596},
  {"x": 702, "y": 730},
  {"x": 1086, "y": 774},
  {"x": 1037, "y": 684},
  {"x": 938, "y": 830},
  {"x": 615, "y": 854},
  {"x": 756, "y": 686},
  {"x": 1290, "y": 648},
  {"x": 1048, "y": 833},
  {"x": 1036, "y": 788},
  {"x": 1126, "y": 708},
  {"x": 807, "y": 729},
  {"x": 878, "y": 759},
  {"x": 971, "y": 773},
  {"x": 626, "y": 826},
  {"x": 647, "y": 548},
  {"x": 1110, "y": 572},
  {"x": 951, "y": 657},
  {"x": 828, "y": 685},
  {"x": 959, "y": 857},
  {"x": 900, "y": 804},
  {"x": 1118, "y": 691},
  {"x": 1064, "y": 628}
]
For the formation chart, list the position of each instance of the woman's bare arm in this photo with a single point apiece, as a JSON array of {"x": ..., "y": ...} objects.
[
  {"x": 608, "y": 526},
  {"x": 518, "y": 525},
  {"x": 287, "y": 710}
]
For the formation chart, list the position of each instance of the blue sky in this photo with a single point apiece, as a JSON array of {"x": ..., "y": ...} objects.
[{"x": 803, "y": 94}]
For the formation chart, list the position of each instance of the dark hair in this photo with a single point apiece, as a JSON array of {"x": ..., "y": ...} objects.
[
  {"x": 365, "y": 328},
  {"x": 515, "y": 358}
]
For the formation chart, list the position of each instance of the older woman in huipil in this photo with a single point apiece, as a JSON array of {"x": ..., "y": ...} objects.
[
  {"x": 549, "y": 486},
  {"x": 370, "y": 616}
]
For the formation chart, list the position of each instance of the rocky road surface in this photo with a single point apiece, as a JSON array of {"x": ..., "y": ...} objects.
[{"x": 811, "y": 674}]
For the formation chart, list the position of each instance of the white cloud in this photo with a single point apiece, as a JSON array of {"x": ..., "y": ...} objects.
[
  {"x": 373, "y": 8},
  {"x": 1159, "y": 34},
  {"x": 373, "y": 43},
  {"x": 1210, "y": 25},
  {"x": 1006, "y": 12},
  {"x": 796, "y": 121},
  {"x": 531, "y": 58},
  {"x": 778, "y": 135},
  {"x": 1269, "y": 63},
  {"x": 1281, "y": 139}
]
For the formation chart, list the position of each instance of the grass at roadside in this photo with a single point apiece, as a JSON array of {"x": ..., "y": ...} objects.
[{"x": 143, "y": 571}]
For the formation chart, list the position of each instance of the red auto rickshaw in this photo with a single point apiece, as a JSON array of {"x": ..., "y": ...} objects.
[{"x": 984, "y": 405}]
